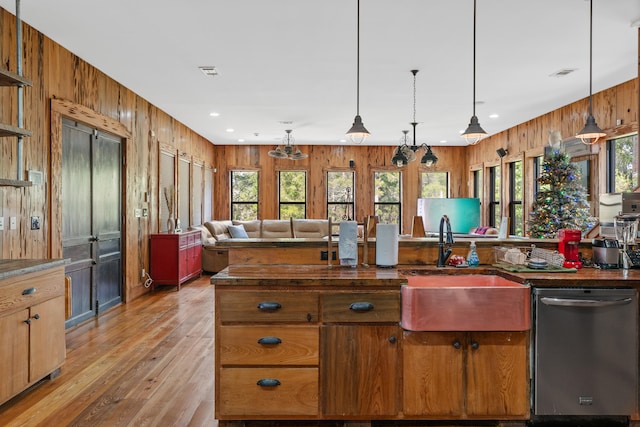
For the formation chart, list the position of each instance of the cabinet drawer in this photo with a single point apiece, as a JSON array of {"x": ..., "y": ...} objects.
[
  {"x": 268, "y": 345},
  {"x": 250, "y": 306},
  {"x": 250, "y": 392},
  {"x": 24, "y": 291},
  {"x": 381, "y": 306}
]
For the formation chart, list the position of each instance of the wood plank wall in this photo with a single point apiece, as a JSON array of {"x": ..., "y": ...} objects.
[
  {"x": 58, "y": 74},
  {"x": 322, "y": 158}
]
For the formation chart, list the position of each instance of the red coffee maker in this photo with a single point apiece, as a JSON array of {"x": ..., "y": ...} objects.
[{"x": 568, "y": 241}]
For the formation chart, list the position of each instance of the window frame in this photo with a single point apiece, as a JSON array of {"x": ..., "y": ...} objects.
[
  {"x": 350, "y": 205},
  {"x": 281, "y": 203},
  {"x": 232, "y": 203},
  {"x": 398, "y": 203}
]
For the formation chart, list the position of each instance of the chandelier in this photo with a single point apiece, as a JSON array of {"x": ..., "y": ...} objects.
[
  {"x": 406, "y": 153},
  {"x": 288, "y": 151}
]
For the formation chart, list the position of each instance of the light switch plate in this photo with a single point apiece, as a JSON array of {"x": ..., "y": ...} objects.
[
  {"x": 13, "y": 224},
  {"x": 1, "y": 223}
]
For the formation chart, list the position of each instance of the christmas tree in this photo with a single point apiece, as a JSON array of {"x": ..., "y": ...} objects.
[{"x": 561, "y": 201}]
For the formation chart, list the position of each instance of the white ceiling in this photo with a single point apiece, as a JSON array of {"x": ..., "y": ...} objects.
[{"x": 295, "y": 61}]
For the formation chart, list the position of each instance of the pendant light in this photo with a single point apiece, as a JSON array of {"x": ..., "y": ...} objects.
[
  {"x": 474, "y": 131},
  {"x": 591, "y": 133},
  {"x": 358, "y": 133},
  {"x": 405, "y": 154},
  {"x": 288, "y": 150}
]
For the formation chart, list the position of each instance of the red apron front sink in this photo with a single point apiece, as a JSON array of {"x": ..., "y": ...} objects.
[{"x": 472, "y": 302}]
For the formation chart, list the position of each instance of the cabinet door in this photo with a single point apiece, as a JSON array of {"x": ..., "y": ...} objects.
[
  {"x": 47, "y": 338},
  {"x": 14, "y": 354},
  {"x": 359, "y": 370},
  {"x": 497, "y": 374},
  {"x": 433, "y": 373},
  {"x": 183, "y": 258}
]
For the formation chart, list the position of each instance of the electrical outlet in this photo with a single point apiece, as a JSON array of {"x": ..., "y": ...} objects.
[
  {"x": 1, "y": 223},
  {"x": 13, "y": 224},
  {"x": 35, "y": 223},
  {"x": 138, "y": 213},
  {"x": 143, "y": 273}
]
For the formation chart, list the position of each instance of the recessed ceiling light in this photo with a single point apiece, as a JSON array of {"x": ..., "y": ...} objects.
[
  {"x": 241, "y": 140},
  {"x": 214, "y": 114},
  {"x": 230, "y": 130},
  {"x": 493, "y": 116},
  {"x": 343, "y": 141},
  {"x": 209, "y": 70},
  {"x": 443, "y": 141}
]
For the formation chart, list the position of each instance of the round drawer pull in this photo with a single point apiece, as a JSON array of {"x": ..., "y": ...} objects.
[
  {"x": 269, "y": 306},
  {"x": 269, "y": 341},
  {"x": 29, "y": 291},
  {"x": 361, "y": 306},
  {"x": 268, "y": 382}
]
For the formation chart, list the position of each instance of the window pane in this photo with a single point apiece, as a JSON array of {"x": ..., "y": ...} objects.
[
  {"x": 244, "y": 195},
  {"x": 626, "y": 163},
  {"x": 340, "y": 197},
  {"x": 388, "y": 214},
  {"x": 477, "y": 184},
  {"x": 295, "y": 211},
  {"x": 434, "y": 184},
  {"x": 387, "y": 187},
  {"x": 293, "y": 186},
  {"x": 244, "y": 211},
  {"x": 244, "y": 186}
]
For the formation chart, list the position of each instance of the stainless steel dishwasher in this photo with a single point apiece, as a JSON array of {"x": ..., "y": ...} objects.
[{"x": 585, "y": 350}]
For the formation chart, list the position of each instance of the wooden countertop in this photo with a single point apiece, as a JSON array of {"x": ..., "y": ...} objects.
[
  {"x": 322, "y": 275},
  {"x": 15, "y": 267}
]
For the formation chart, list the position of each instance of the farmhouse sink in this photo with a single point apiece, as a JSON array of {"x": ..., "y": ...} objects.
[{"x": 473, "y": 302}]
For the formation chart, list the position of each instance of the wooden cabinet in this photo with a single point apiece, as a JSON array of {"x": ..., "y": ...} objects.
[
  {"x": 476, "y": 375},
  {"x": 32, "y": 335},
  {"x": 267, "y": 354},
  {"x": 175, "y": 257},
  {"x": 360, "y": 362}
]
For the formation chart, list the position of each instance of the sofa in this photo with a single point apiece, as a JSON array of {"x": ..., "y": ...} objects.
[{"x": 216, "y": 258}]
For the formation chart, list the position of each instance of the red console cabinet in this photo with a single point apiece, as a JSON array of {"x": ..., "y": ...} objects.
[{"x": 175, "y": 257}]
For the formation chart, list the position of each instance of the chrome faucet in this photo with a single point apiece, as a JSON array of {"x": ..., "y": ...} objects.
[{"x": 443, "y": 254}]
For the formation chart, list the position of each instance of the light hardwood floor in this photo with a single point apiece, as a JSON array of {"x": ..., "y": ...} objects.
[{"x": 146, "y": 363}]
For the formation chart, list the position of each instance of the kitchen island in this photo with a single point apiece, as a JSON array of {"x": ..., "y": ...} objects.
[{"x": 319, "y": 343}]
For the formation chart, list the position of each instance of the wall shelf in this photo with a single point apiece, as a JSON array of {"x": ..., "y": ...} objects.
[
  {"x": 14, "y": 183},
  {"x": 8, "y": 130},
  {"x": 8, "y": 78}
]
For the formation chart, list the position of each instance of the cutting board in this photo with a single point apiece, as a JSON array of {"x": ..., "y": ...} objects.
[{"x": 524, "y": 269}]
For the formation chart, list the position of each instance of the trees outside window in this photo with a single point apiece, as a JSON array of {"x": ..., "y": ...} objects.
[
  {"x": 292, "y": 194},
  {"x": 494, "y": 196},
  {"x": 387, "y": 197},
  {"x": 622, "y": 164},
  {"x": 244, "y": 195},
  {"x": 434, "y": 184},
  {"x": 340, "y": 196},
  {"x": 516, "y": 191}
]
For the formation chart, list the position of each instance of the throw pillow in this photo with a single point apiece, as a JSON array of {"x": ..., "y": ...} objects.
[{"x": 238, "y": 232}]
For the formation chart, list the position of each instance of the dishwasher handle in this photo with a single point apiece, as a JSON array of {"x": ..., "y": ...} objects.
[{"x": 572, "y": 302}]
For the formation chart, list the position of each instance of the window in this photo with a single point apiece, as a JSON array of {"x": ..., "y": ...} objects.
[
  {"x": 434, "y": 184},
  {"x": 477, "y": 184},
  {"x": 293, "y": 194},
  {"x": 516, "y": 191},
  {"x": 622, "y": 164},
  {"x": 340, "y": 205},
  {"x": 244, "y": 195},
  {"x": 494, "y": 196},
  {"x": 387, "y": 193}
]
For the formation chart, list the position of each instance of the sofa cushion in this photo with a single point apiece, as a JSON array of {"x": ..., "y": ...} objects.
[
  {"x": 238, "y": 232},
  {"x": 252, "y": 227},
  {"x": 219, "y": 229},
  {"x": 276, "y": 228},
  {"x": 207, "y": 238},
  {"x": 310, "y": 228}
]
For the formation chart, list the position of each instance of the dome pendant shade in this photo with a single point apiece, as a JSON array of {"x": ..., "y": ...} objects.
[
  {"x": 474, "y": 131},
  {"x": 591, "y": 133},
  {"x": 358, "y": 132}
]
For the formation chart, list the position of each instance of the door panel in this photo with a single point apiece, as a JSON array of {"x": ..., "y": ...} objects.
[
  {"x": 77, "y": 243},
  {"x": 91, "y": 210},
  {"x": 106, "y": 219}
]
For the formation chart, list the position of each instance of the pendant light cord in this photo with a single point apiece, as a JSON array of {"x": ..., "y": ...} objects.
[
  {"x": 414, "y": 123},
  {"x": 474, "y": 57},
  {"x": 358, "y": 64},
  {"x": 590, "y": 57}
]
